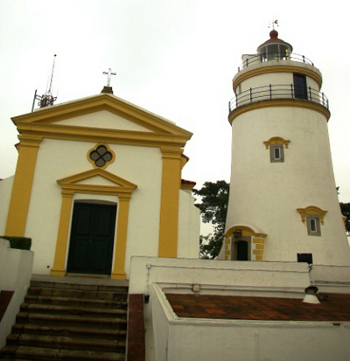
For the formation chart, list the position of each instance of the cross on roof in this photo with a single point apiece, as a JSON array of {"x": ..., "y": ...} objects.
[{"x": 109, "y": 75}]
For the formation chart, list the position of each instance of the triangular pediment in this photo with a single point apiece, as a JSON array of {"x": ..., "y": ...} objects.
[
  {"x": 96, "y": 181},
  {"x": 104, "y": 111}
]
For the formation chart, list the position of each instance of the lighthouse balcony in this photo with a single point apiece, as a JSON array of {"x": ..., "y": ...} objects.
[
  {"x": 250, "y": 60},
  {"x": 278, "y": 92}
]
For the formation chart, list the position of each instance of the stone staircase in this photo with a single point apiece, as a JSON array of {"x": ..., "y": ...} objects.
[{"x": 70, "y": 321}]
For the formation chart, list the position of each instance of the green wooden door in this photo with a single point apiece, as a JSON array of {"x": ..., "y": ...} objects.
[{"x": 92, "y": 238}]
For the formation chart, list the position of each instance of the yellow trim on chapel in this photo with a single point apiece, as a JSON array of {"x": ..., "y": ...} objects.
[
  {"x": 49, "y": 115},
  {"x": 169, "y": 206},
  {"x": 70, "y": 185},
  {"x": 22, "y": 185}
]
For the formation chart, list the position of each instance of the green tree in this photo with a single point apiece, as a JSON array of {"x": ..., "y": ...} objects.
[
  {"x": 213, "y": 208},
  {"x": 345, "y": 209}
]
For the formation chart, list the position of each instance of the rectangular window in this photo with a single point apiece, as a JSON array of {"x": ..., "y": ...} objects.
[
  {"x": 276, "y": 153},
  {"x": 313, "y": 225}
]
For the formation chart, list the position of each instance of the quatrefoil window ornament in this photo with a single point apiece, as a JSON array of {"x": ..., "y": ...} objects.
[{"x": 101, "y": 156}]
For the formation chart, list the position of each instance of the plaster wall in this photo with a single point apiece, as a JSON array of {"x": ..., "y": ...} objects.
[
  {"x": 103, "y": 119},
  {"x": 150, "y": 276},
  {"x": 58, "y": 159},
  {"x": 285, "y": 79},
  {"x": 273, "y": 63},
  {"x": 233, "y": 340},
  {"x": 266, "y": 195},
  {"x": 214, "y": 275},
  {"x": 189, "y": 226},
  {"x": 177, "y": 338},
  {"x": 5, "y": 197}
]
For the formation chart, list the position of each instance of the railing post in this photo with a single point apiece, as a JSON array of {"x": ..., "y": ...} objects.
[
  {"x": 310, "y": 94},
  {"x": 247, "y": 63},
  {"x": 303, "y": 58},
  {"x": 270, "y": 86},
  {"x": 250, "y": 94},
  {"x": 291, "y": 91},
  {"x": 323, "y": 100}
]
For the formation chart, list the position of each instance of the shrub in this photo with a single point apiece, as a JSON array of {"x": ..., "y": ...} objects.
[{"x": 19, "y": 242}]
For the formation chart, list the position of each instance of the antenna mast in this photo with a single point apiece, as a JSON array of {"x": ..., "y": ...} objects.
[{"x": 46, "y": 99}]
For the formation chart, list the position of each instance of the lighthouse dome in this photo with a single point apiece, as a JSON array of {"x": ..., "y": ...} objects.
[{"x": 274, "y": 48}]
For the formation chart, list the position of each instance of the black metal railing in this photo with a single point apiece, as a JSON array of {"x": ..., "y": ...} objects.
[
  {"x": 275, "y": 92},
  {"x": 263, "y": 58}
]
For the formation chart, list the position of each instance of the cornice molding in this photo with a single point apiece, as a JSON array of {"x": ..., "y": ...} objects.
[
  {"x": 312, "y": 210},
  {"x": 101, "y": 135},
  {"x": 111, "y": 103},
  {"x": 276, "y": 140}
]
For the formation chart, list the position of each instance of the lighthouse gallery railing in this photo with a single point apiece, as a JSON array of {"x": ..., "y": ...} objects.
[
  {"x": 276, "y": 92},
  {"x": 263, "y": 58}
]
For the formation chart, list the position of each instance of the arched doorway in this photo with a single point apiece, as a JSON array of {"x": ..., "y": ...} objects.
[{"x": 242, "y": 250}]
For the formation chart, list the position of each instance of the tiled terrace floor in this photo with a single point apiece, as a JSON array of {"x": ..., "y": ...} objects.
[{"x": 335, "y": 307}]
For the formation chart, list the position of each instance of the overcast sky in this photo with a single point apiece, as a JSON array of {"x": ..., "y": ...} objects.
[{"x": 175, "y": 58}]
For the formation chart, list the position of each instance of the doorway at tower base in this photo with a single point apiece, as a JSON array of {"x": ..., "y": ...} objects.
[{"x": 243, "y": 243}]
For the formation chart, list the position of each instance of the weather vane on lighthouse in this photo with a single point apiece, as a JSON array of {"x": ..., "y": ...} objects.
[
  {"x": 109, "y": 76},
  {"x": 273, "y": 23}
]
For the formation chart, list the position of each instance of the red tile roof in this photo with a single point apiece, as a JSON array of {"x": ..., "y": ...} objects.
[{"x": 334, "y": 307}]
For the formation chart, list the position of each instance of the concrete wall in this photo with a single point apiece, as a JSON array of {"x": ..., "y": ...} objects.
[
  {"x": 151, "y": 276},
  {"x": 331, "y": 278},
  {"x": 189, "y": 226},
  {"x": 235, "y": 340},
  {"x": 171, "y": 338},
  {"x": 15, "y": 274},
  {"x": 5, "y": 197}
]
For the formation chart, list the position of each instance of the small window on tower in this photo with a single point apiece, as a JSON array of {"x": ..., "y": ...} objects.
[
  {"x": 313, "y": 225},
  {"x": 313, "y": 218},
  {"x": 276, "y": 146},
  {"x": 276, "y": 153}
]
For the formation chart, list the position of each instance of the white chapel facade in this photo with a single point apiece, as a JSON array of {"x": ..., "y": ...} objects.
[
  {"x": 283, "y": 202},
  {"x": 98, "y": 180}
]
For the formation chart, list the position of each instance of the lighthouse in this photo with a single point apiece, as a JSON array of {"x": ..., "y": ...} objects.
[{"x": 283, "y": 203}]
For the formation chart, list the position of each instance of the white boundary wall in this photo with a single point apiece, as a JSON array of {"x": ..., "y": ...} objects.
[{"x": 15, "y": 274}]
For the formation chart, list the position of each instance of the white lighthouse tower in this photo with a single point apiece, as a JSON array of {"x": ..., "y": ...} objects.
[{"x": 283, "y": 202}]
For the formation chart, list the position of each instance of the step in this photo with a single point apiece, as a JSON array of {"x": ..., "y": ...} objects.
[
  {"x": 66, "y": 342},
  {"x": 71, "y": 320},
  {"x": 72, "y": 310},
  {"x": 83, "y": 302},
  {"x": 79, "y": 293},
  {"x": 44, "y": 354},
  {"x": 80, "y": 286},
  {"x": 69, "y": 331}
]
